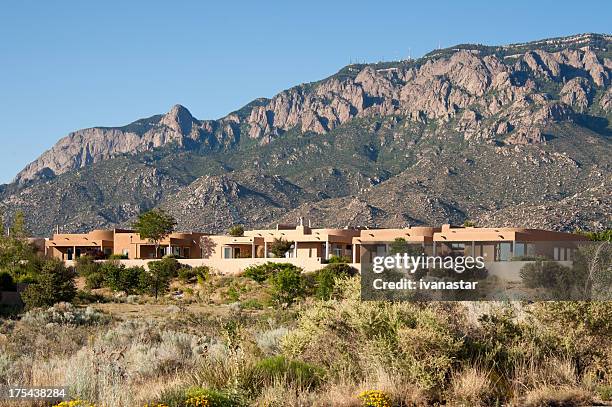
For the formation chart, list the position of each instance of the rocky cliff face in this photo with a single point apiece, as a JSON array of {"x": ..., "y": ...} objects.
[{"x": 354, "y": 139}]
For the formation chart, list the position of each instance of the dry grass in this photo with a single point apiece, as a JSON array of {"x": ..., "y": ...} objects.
[
  {"x": 556, "y": 397},
  {"x": 472, "y": 387}
]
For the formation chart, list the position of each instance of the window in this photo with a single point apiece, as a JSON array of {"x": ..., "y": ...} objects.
[
  {"x": 186, "y": 252},
  {"x": 227, "y": 252},
  {"x": 503, "y": 251},
  {"x": 519, "y": 249}
]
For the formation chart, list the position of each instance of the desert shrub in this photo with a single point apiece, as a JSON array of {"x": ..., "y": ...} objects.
[
  {"x": 287, "y": 284},
  {"x": 117, "y": 277},
  {"x": 157, "y": 280},
  {"x": 6, "y": 281},
  {"x": 167, "y": 266},
  {"x": 261, "y": 272},
  {"x": 580, "y": 330},
  {"x": 54, "y": 283},
  {"x": 87, "y": 297},
  {"x": 86, "y": 265},
  {"x": 94, "y": 280},
  {"x": 293, "y": 373},
  {"x": 550, "y": 275},
  {"x": 557, "y": 396},
  {"x": 118, "y": 257},
  {"x": 338, "y": 259},
  {"x": 193, "y": 274},
  {"x": 326, "y": 278},
  {"x": 236, "y": 231},
  {"x": 270, "y": 341},
  {"x": 65, "y": 314},
  {"x": 251, "y": 303},
  {"x": 472, "y": 387}
]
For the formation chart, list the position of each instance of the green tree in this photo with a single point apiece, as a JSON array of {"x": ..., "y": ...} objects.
[
  {"x": 155, "y": 225},
  {"x": 287, "y": 284},
  {"x": 2, "y": 231},
  {"x": 54, "y": 283},
  {"x": 18, "y": 229},
  {"x": 236, "y": 231},
  {"x": 401, "y": 246},
  {"x": 156, "y": 280},
  {"x": 326, "y": 278},
  {"x": 280, "y": 247}
]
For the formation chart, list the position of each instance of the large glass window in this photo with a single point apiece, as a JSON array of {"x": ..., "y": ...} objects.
[
  {"x": 503, "y": 251},
  {"x": 519, "y": 249},
  {"x": 227, "y": 252}
]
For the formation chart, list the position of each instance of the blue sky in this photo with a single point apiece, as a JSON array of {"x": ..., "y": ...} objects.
[{"x": 66, "y": 65}]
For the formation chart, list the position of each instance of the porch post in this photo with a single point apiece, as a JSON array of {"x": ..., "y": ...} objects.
[
  {"x": 354, "y": 253},
  {"x": 253, "y": 249},
  {"x": 434, "y": 248},
  {"x": 327, "y": 250},
  {"x": 295, "y": 249},
  {"x": 265, "y": 249}
]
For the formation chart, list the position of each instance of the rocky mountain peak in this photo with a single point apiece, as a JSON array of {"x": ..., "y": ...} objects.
[{"x": 179, "y": 119}]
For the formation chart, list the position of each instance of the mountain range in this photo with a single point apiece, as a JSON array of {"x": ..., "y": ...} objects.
[{"x": 514, "y": 135}]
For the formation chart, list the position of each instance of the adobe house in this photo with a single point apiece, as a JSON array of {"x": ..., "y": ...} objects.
[
  {"x": 306, "y": 243},
  {"x": 493, "y": 244}
]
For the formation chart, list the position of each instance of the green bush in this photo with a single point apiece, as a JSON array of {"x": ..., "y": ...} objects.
[
  {"x": 6, "y": 281},
  {"x": 287, "y": 284},
  {"x": 278, "y": 369},
  {"x": 94, "y": 280},
  {"x": 118, "y": 257},
  {"x": 85, "y": 265},
  {"x": 236, "y": 231},
  {"x": 156, "y": 281},
  {"x": 338, "y": 259},
  {"x": 262, "y": 272},
  {"x": 54, "y": 283},
  {"x": 193, "y": 274},
  {"x": 325, "y": 279},
  {"x": 168, "y": 266}
]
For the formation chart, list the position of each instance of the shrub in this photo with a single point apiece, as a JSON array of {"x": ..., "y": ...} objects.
[
  {"x": 338, "y": 259},
  {"x": 326, "y": 278},
  {"x": 168, "y": 266},
  {"x": 119, "y": 278},
  {"x": 94, "y": 280},
  {"x": 259, "y": 273},
  {"x": 295, "y": 373},
  {"x": 262, "y": 272},
  {"x": 552, "y": 396},
  {"x": 6, "y": 281},
  {"x": 54, "y": 283},
  {"x": 85, "y": 265},
  {"x": 236, "y": 231},
  {"x": 559, "y": 280},
  {"x": 279, "y": 247},
  {"x": 118, "y": 257},
  {"x": 157, "y": 280},
  {"x": 64, "y": 314},
  {"x": 193, "y": 274},
  {"x": 287, "y": 284}
]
